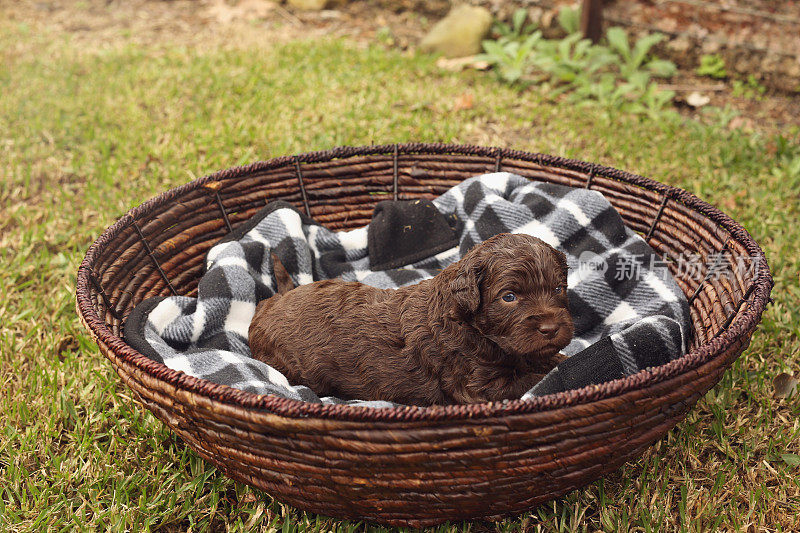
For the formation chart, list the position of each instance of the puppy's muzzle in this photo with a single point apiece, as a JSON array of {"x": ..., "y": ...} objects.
[{"x": 549, "y": 329}]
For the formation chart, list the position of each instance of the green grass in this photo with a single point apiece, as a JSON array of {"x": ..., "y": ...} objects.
[{"x": 88, "y": 132}]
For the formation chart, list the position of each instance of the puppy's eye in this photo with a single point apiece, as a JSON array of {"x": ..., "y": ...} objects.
[
  {"x": 558, "y": 289},
  {"x": 509, "y": 297}
]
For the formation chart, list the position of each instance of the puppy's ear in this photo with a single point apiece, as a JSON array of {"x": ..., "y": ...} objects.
[
  {"x": 561, "y": 259},
  {"x": 465, "y": 286}
]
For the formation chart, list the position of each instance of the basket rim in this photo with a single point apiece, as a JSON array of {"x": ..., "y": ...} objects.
[{"x": 743, "y": 323}]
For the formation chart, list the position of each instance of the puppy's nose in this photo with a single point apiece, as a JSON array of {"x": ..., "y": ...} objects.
[{"x": 548, "y": 329}]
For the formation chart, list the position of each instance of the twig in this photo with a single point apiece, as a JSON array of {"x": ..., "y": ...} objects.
[
  {"x": 717, "y": 87},
  {"x": 288, "y": 15},
  {"x": 736, "y": 9}
]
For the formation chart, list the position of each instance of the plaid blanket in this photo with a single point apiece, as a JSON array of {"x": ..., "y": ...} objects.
[{"x": 629, "y": 313}]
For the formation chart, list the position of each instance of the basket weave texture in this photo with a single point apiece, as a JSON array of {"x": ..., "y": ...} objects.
[{"x": 414, "y": 466}]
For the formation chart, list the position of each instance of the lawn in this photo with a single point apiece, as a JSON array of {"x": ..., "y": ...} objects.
[{"x": 87, "y": 132}]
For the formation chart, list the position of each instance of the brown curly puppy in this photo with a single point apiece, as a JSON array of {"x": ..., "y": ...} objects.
[{"x": 487, "y": 328}]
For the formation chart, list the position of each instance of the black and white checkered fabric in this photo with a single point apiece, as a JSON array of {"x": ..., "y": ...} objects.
[{"x": 619, "y": 290}]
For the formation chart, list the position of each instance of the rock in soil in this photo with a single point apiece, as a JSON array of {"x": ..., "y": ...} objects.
[
  {"x": 309, "y": 5},
  {"x": 460, "y": 33}
]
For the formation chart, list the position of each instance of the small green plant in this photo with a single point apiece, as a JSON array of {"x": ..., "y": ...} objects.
[
  {"x": 787, "y": 169},
  {"x": 569, "y": 19},
  {"x": 789, "y": 172},
  {"x": 720, "y": 117},
  {"x": 638, "y": 95},
  {"x": 518, "y": 30},
  {"x": 713, "y": 66},
  {"x": 605, "y": 90},
  {"x": 384, "y": 36},
  {"x": 630, "y": 60},
  {"x": 648, "y": 99},
  {"x": 511, "y": 59},
  {"x": 750, "y": 88},
  {"x": 571, "y": 59},
  {"x": 510, "y": 54},
  {"x": 616, "y": 75}
]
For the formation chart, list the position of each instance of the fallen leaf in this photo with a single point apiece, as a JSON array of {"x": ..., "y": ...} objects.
[
  {"x": 791, "y": 459},
  {"x": 465, "y": 101},
  {"x": 67, "y": 344},
  {"x": 785, "y": 385},
  {"x": 330, "y": 14},
  {"x": 456, "y": 64},
  {"x": 696, "y": 99},
  {"x": 740, "y": 122},
  {"x": 249, "y": 497},
  {"x": 729, "y": 203}
]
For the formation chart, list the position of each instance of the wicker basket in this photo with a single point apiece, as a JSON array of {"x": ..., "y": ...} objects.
[{"x": 413, "y": 466}]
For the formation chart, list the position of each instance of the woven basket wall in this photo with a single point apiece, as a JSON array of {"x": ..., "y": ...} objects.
[{"x": 413, "y": 466}]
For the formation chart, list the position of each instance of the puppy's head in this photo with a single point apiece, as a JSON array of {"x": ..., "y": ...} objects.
[{"x": 513, "y": 289}]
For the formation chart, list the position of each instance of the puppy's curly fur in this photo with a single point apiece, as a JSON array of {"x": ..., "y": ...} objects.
[{"x": 487, "y": 328}]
